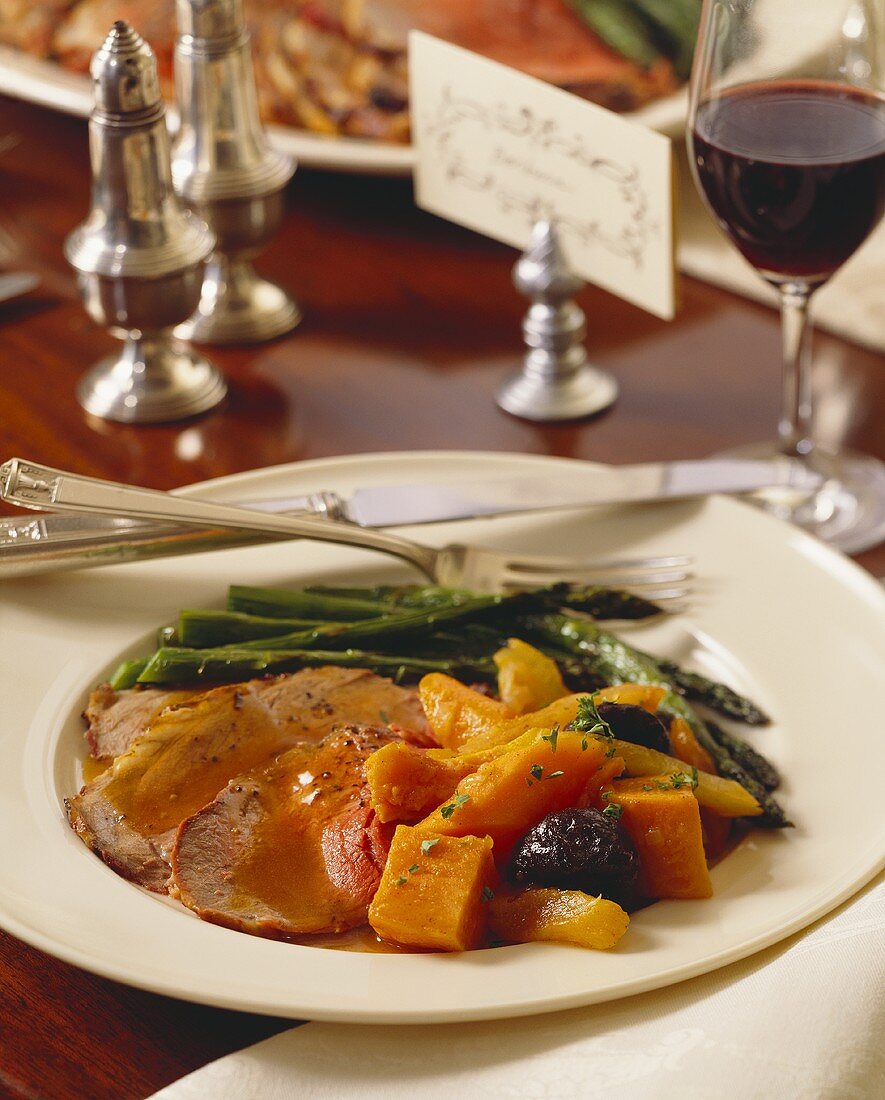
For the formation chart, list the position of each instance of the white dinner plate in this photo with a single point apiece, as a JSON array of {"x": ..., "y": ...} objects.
[
  {"x": 777, "y": 614},
  {"x": 49, "y": 85}
]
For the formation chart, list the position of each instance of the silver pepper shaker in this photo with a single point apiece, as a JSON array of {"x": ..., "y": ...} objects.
[
  {"x": 225, "y": 171},
  {"x": 139, "y": 256},
  {"x": 556, "y": 381}
]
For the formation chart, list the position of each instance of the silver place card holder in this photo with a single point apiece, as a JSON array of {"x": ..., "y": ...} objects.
[
  {"x": 226, "y": 172},
  {"x": 139, "y": 255},
  {"x": 556, "y": 381}
]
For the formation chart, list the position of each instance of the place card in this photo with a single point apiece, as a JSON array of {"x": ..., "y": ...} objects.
[{"x": 498, "y": 151}]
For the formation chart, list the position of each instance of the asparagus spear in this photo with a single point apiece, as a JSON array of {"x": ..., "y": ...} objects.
[
  {"x": 286, "y": 603},
  {"x": 676, "y": 22},
  {"x": 228, "y": 665},
  {"x": 595, "y": 600},
  {"x": 126, "y": 674},
  {"x": 388, "y": 626},
  {"x": 402, "y": 595},
  {"x": 203, "y": 629},
  {"x": 616, "y": 661},
  {"x": 747, "y": 757},
  {"x": 619, "y": 27},
  {"x": 717, "y": 696}
]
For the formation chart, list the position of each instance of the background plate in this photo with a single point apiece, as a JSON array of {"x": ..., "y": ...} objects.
[
  {"x": 49, "y": 85},
  {"x": 779, "y": 615}
]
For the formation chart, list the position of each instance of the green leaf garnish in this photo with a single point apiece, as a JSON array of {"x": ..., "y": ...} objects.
[
  {"x": 552, "y": 737},
  {"x": 426, "y": 845}
]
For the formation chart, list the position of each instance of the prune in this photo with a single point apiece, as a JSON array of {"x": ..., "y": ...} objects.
[
  {"x": 636, "y": 725},
  {"x": 577, "y": 849}
]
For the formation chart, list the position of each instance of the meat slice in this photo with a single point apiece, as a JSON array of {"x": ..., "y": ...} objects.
[
  {"x": 129, "y": 814},
  {"x": 290, "y": 850},
  {"x": 116, "y": 718}
]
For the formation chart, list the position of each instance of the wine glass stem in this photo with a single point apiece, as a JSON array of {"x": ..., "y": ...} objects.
[{"x": 794, "y": 430}]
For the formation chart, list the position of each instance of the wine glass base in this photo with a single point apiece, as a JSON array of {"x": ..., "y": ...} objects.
[{"x": 847, "y": 511}]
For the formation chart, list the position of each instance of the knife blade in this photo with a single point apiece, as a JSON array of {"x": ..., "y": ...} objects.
[{"x": 48, "y": 542}]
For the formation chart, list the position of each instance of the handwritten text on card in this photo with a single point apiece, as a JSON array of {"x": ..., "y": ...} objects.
[{"x": 498, "y": 151}]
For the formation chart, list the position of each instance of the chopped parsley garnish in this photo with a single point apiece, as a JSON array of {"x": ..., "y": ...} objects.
[
  {"x": 426, "y": 845},
  {"x": 457, "y": 802},
  {"x": 590, "y": 721},
  {"x": 552, "y": 737},
  {"x": 415, "y": 867},
  {"x": 401, "y": 881},
  {"x": 613, "y": 809},
  {"x": 555, "y": 775},
  {"x": 487, "y": 893},
  {"x": 537, "y": 771}
]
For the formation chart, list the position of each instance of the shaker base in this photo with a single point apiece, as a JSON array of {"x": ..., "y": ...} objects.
[
  {"x": 239, "y": 307},
  {"x": 533, "y": 396},
  {"x": 151, "y": 382}
]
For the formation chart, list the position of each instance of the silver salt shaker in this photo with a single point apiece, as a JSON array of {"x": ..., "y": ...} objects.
[
  {"x": 556, "y": 381},
  {"x": 225, "y": 170},
  {"x": 139, "y": 255}
]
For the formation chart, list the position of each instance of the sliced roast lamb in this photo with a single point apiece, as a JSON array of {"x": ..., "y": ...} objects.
[
  {"x": 129, "y": 814},
  {"x": 288, "y": 850}
]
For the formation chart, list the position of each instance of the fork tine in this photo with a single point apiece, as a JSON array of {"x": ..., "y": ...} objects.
[
  {"x": 613, "y": 565},
  {"x": 592, "y": 575}
]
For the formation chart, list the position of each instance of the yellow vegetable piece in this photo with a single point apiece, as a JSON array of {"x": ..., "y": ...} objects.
[
  {"x": 455, "y": 712},
  {"x": 527, "y": 678},
  {"x": 665, "y": 827},
  {"x": 507, "y": 795},
  {"x": 486, "y": 730},
  {"x": 432, "y": 891},
  {"x": 406, "y": 784},
  {"x": 725, "y": 796},
  {"x": 564, "y": 915},
  {"x": 685, "y": 746}
]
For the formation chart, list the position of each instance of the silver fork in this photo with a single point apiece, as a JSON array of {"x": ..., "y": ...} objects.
[{"x": 30, "y": 485}]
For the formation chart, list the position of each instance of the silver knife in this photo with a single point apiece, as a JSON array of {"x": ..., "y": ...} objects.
[{"x": 47, "y": 542}]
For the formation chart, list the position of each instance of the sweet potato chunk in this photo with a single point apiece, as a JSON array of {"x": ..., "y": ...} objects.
[
  {"x": 508, "y": 794},
  {"x": 457, "y": 713},
  {"x": 433, "y": 891},
  {"x": 665, "y": 826},
  {"x": 567, "y": 916},
  {"x": 406, "y": 784},
  {"x": 527, "y": 678},
  {"x": 486, "y": 730}
]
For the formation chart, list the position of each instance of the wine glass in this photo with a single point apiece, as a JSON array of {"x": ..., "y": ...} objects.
[{"x": 786, "y": 139}]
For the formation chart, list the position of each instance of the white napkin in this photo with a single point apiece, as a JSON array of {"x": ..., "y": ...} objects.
[
  {"x": 852, "y": 304},
  {"x": 803, "y": 1020}
]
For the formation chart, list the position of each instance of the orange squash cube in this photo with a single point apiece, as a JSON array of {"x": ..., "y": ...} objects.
[
  {"x": 457, "y": 713},
  {"x": 507, "y": 795},
  {"x": 434, "y": 891},
  {"x": 406, "y": 784},
  {"x": 665, "y": 826}
]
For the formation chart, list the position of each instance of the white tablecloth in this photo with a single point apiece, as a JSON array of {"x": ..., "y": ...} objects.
[{"x": 804, "y": 1020}]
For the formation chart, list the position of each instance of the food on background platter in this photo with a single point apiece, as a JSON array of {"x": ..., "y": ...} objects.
[
  {"x": 319, "y": 799},
  {"x": 338, "y": 67}
]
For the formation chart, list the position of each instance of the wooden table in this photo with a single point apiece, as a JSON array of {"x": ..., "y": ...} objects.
[{"x": 409, "y": 326}]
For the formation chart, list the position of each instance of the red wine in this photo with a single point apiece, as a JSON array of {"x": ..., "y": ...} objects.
[{"x": 794, "y": 171}]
